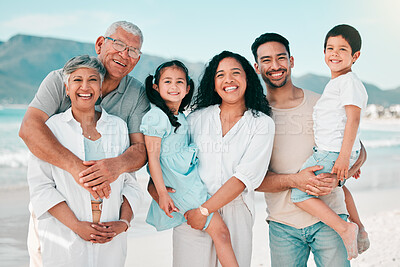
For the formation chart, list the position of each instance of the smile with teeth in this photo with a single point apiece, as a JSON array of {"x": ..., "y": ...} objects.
[
  {"x": 85, "y": 96},
  {"x": 120, "y": 63},
  {"x": 230, "y": 88},
  {"x": 335, "y": 61},
  {"x": 276, "y": 75}
]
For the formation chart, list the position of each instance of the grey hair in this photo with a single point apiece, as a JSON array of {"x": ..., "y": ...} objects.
[
  {"x": 127, "y": 26},
  {"x": 83, "y": 61}
]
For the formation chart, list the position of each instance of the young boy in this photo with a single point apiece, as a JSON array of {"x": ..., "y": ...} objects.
[{"x": 336, "y": 130}]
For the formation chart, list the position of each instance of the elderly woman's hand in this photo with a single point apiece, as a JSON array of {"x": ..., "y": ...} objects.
[
  {"x": 89, "y": 231},
  {"x": 109, "y": 230}
]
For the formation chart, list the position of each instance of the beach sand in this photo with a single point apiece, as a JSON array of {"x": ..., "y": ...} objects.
[{"x": 379, "y": 210}]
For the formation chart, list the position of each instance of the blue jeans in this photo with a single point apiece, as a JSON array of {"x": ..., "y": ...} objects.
[
  {"x": 324, "y": 158},
  {"x": 290, "y": 247}
]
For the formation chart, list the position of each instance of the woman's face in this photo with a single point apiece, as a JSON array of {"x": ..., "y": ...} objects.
[
  {"x": 230, "y": 81},
  {"x": 83, "y": 88}
]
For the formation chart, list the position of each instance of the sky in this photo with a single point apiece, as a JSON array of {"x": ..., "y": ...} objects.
[{"x": 198, "y": 30}]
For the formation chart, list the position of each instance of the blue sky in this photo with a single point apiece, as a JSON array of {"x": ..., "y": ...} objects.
[{"x": 197, "y": 30}]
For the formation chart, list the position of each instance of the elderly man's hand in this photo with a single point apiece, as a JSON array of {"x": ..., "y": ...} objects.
[{"x": 100, "y": 174}]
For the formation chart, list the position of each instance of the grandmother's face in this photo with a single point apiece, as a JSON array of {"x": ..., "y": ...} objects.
[
  {"x": 83, "y": 88},
  {"x": 230, "y": 81}
]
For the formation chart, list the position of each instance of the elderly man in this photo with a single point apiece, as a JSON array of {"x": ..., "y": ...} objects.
[
  {"x": 122, "y": 95},
  {"x": 292, "y": 231}
]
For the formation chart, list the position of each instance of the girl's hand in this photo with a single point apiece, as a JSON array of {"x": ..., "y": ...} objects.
[
  {"x": 341, "y": 168},
  {"x": 167, "y": 205}
]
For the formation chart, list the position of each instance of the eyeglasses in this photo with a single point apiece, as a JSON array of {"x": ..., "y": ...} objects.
[{"x": 121, "y": 46}]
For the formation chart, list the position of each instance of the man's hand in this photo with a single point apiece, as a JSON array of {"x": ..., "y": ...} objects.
[
  {"x": 100, "y": 174},
  {"x": 341, "y": 168},
  {"x": 195, "y": 219},
  {"x": 153, "y": 192},
  {"x": 306, "y": 177},
  {"x": 323, "y": 184}
]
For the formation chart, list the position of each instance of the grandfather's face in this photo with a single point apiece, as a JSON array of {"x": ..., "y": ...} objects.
[
  {"x": 274, "y": 64},
  {"x": 118, "y": 64}
]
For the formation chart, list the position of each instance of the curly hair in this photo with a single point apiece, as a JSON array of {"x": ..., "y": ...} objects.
[
  {"x": 155, "y": 97},
  {"x": 255, "y": 99}
]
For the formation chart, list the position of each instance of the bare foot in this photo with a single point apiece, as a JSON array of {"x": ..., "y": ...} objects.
[
  {"x": 362, "y": 241},
  {"x": 350, "y": 240}
]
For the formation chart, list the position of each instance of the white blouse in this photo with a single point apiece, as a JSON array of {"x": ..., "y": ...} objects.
[
  {"x": 50, "y": 185},
  {"x": 244, "y": 152}
]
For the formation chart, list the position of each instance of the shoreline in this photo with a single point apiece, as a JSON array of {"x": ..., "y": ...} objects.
[{"x": 378, "y": 209}]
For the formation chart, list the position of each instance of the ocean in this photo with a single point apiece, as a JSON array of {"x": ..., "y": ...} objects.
[{"x": 380, "y": 137}]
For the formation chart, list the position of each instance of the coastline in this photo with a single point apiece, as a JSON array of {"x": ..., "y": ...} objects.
[{"x": 378, "y": 209}]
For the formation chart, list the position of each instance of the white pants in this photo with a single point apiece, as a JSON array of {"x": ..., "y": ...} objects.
[
  {"x": 35, "y": 255},
  {"x": 195, "y": 248}
]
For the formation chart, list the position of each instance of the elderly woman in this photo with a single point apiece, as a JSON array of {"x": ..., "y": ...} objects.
[{"x": 74, "y": 228}]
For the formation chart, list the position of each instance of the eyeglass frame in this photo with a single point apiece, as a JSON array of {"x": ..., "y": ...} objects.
[{"x": 130, "y": 48}]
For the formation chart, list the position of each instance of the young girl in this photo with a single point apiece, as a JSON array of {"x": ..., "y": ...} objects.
[{"x": 173, "y": 161}]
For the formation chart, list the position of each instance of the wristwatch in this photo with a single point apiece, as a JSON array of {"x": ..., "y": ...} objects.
[{"x": 204, "y": 211}]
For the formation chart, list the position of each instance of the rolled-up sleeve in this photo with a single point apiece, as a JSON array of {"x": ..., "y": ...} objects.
[
  {"x": 255, "y": 161},
  {"x": 132, "y": 191},
  {"x": 42, "y": 188}
]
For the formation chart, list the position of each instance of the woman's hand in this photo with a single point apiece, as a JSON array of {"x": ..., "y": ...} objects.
[
  {"x": 109, "y": 230},
  {"x": 94, "y": 233},
  {"x": 195, "y": 219},
  {"x": 167, "y": 204}
]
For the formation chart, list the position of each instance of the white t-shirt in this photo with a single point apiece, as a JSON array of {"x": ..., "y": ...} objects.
[{"x": 329, "y": 113}]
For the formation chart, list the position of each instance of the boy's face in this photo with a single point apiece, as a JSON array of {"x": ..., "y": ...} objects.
[{"x": 338, "y": 56}]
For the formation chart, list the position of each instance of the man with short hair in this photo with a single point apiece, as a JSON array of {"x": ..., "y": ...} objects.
[
  {"x": 122, "y": 95},
  {"x": 292, "y": 231}
]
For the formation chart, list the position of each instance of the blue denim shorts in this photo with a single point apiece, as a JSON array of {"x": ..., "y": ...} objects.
[{"x": 323, "y": 158}]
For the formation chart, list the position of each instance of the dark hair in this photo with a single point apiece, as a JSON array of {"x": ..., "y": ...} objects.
[
  {"x": 349, "y": 33},
  {"x": 269, "y": 37},
  {"x": 255, "y": 98},
  {"x": 155, "y": 97}
]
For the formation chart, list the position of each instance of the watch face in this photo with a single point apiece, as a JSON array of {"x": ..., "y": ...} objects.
[{"x": 203, "y": 211}]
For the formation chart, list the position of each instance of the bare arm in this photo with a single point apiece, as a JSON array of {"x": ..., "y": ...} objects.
[
  {"x": 342, "y": 163},
  {"x": 44, "y": 145},
  {"x": 228, "y": 192},
  {"x": 104, "y": 171}
]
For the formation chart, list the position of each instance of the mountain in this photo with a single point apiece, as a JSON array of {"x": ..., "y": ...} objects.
[
  {"x": 375, "y": 95},
  {"x": 26, "y": 60}
]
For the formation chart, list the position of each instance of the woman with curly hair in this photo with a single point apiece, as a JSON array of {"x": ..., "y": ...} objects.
[{"x": 234, "y": 133}]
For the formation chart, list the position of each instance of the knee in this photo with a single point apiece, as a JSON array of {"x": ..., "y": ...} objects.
[{"x": 223, "y": 234}]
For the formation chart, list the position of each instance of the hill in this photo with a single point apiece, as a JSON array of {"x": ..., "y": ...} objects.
[{"x": 25, "y": 61}]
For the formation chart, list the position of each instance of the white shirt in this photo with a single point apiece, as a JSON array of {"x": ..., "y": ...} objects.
[
  {"x": 244, "y": 152},
  {"x": 50, "y": 185},
  {"x": 329, "y": 113}
]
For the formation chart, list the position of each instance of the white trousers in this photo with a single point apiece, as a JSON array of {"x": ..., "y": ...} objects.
[
  {"x": 35, "y": 255},
  {"x": 195, "y": 248}
]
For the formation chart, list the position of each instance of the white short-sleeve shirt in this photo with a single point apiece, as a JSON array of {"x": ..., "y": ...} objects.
[
  {"x": 244, "y": 152},
  {"x": 329, "y": 113}
]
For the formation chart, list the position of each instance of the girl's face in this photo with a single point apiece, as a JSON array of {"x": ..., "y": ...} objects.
[
  {"x": 172, "y": 86},
  {"x": 230, "y": 81},
  {"x": 83, "y": 88}
]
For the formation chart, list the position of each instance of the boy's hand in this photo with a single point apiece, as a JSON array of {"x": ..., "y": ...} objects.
[
  {"x": 167, "y": 204},
  {"x": 341, "y": 168}
]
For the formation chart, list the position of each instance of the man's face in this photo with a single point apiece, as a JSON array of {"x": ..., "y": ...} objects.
[
  {"x": 118, "y": 64},
  {"x": 274, "y": 64}
]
